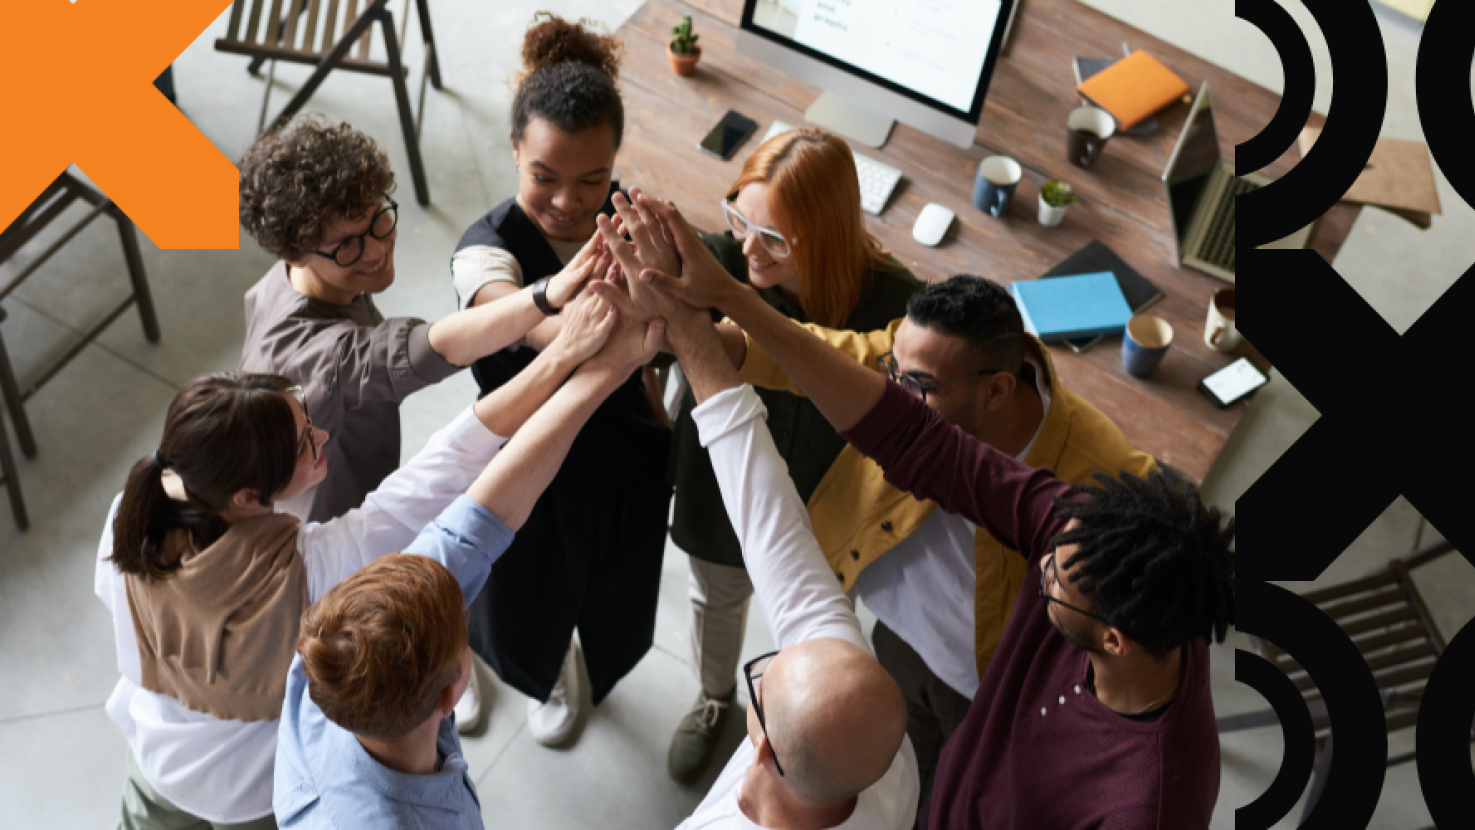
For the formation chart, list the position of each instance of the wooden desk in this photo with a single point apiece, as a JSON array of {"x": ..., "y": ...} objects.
[{"x": 1121, "y": 198}]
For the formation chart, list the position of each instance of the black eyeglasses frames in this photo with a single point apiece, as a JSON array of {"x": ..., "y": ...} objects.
[
  {"x": 1048, "y": 575},
  {"x": 753, "y": 672},
  {"x": 350, "y": 250}
]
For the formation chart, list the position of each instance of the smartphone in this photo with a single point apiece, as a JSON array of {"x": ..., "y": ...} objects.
[
  {"x": 729, "y": 134},
  {"x": 1232, "y": 383}
]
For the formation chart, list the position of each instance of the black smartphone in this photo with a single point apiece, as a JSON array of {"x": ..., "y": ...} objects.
[
  {"x": 729, "y": 134},
  {"x": 1232, "y": 383}
]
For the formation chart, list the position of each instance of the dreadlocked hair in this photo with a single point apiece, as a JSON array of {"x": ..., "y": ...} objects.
[{"x": 1153, "y": 559}]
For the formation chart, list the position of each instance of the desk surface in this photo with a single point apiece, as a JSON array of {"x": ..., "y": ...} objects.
[{"x": 1121, "y": 198}]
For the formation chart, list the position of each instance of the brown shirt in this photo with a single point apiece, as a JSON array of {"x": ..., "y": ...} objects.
[
  {"x": 219, "y": 633},
  {"x": 355, "y": 366}
]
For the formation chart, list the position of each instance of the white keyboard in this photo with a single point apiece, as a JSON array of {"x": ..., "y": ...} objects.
[{"x": 877, "y": 180}]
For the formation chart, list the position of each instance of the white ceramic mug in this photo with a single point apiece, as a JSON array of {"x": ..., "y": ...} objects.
[{"x": 1220, "y": 332}]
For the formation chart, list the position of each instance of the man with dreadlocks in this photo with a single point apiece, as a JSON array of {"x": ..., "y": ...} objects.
[{"x": 1096, "y": 710}]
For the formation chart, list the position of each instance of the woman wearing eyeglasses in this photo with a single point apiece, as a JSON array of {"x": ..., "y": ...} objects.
[
  {"x": 797, "y": 234},
  {"x": 206, "y": 582}
]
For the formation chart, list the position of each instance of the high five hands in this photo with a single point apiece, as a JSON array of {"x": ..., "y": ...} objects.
[{"x": 667, "y": 269}]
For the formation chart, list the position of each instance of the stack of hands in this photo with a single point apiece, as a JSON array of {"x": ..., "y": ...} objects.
[{"x": 645, "y": 272}]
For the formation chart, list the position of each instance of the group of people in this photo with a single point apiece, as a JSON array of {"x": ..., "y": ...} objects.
[{"x": 295, "y": 611}]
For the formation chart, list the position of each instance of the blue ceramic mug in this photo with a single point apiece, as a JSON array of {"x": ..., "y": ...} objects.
[
  {"x": 1145, "y": 344},
  {"x": 993, "y": 187}
]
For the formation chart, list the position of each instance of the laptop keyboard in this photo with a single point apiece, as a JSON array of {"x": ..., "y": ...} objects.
[{"x": 1218, "y": 245}]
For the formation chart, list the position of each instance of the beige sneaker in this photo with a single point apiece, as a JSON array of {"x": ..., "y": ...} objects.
[
  {"x": 468, "y": 708},
  {"x": 551, "y": 723},
  {"x": 696, "y": 737}
]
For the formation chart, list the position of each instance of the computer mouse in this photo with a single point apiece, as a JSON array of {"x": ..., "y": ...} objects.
[{"x": 932, "y": 224}]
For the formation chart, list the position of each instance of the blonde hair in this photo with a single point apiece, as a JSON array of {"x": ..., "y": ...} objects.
[{"x": 814, "y": 198}]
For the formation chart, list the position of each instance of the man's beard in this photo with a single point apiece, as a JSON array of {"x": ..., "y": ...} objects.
[{"x": 1078, "y": 637}]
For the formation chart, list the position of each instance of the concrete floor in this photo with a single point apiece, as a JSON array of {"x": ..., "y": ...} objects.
[{"x": 61, "y": 762}]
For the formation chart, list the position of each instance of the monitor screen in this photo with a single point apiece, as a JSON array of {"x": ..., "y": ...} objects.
[
  {"x": 1195, "y": 157},
  {"x": 934, "y": 51}
]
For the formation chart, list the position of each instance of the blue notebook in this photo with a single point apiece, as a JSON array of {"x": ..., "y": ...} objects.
[{"x": 1063, "y": 308}]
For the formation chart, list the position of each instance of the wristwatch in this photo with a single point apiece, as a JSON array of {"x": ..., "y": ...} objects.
[{"x": 540, "y": 298}]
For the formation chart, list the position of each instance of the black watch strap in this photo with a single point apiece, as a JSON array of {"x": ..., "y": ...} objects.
[{"x": 540, "y": 298}]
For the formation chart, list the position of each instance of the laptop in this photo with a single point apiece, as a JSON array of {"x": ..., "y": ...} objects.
[{"x": 1201, "y": 187}]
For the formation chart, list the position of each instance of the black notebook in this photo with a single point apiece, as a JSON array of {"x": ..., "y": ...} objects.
[{"x": 1140, "y": 293}]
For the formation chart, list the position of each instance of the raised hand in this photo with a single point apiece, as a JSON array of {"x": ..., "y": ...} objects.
[
  {"x": 702, "y": 281},
  {"x": 632, "y": 344},
  {"x": 588, "y": 322},
  {"x": 591, "y": 261}
]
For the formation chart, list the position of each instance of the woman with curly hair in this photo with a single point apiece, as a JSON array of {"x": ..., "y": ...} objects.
[
  {"x": 589, "y": 557},
  {"x": 317, "y": 196}
]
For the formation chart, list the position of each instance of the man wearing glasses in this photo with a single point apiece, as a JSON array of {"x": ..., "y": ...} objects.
[
  {"x": 944, "y": 588},
  {"x": 317, "y": 196},
  {"x": 1096, "y": 708}
]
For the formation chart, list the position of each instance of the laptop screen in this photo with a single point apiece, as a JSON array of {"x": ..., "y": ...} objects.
[{"x": 1195, "y": 157}]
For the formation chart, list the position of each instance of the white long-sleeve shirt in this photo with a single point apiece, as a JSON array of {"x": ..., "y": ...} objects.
[
  {"x": 221, "y": 770},
  {"x": 800, "y": 597}
]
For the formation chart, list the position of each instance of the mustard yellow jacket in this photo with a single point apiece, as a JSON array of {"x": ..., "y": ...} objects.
[{"x": 857, "y": 516}]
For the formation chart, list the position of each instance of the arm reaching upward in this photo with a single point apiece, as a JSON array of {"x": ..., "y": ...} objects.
[
  {"x": 469, "y": 335},
  {"x": 515, "y": 479},
  {"x": 841, "y": 388}
]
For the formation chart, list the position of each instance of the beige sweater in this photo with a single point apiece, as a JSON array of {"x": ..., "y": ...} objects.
[{"x": 218, "y": 634}]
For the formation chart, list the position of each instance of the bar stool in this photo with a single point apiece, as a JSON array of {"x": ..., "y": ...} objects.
[{"x": 9, "y": 477}]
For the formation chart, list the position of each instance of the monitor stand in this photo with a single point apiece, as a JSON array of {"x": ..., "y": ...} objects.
[{"x": 856, "y": 123}]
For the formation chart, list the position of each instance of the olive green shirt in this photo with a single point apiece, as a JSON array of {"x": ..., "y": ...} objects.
[{"x": 804, "y": 438}]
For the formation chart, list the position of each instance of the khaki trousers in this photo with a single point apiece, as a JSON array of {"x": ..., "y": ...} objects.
[
  {"x": 719, "y": 615},
  {"x": 144, "y": 809}
]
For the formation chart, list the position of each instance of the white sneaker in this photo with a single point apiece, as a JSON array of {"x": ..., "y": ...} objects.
[
  {"x": 551, "y": 723},
  {"x": 468, "y": 708}
]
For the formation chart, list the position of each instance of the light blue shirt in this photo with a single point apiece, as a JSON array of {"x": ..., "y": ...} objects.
[{"x": 325, "y": 779}]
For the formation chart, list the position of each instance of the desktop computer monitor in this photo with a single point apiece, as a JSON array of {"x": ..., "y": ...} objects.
[{"x": 925, "y": 62}]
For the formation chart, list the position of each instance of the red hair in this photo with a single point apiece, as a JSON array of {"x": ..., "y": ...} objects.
[
  {"x": 814, "y": 199},
  {"x": 379, "y": 648}
]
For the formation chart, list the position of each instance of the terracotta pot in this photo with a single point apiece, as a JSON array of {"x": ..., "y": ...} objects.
[{"x": 684, "y": 65}]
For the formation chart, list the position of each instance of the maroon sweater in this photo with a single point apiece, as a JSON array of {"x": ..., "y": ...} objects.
[{"x": 1037, "y": 749}]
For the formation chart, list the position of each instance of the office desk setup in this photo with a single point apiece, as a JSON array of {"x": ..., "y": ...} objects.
[{"x": 1121, "y": 198}]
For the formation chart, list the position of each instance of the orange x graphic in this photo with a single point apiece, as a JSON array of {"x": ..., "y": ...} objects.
[{"x": 79, "y": 90}]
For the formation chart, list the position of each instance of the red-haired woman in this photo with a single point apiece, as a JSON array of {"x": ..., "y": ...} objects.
[{"x": 796, "y": 233}]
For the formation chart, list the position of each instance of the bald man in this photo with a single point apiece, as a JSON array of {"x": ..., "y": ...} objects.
[{"x": 827, "y": 745}]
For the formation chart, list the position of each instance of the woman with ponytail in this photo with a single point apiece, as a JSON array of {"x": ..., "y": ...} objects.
[
  {"x": 589, "y": 557},
  {"x": 796, "y": 233},
  {"x": 206, "y": 582}
]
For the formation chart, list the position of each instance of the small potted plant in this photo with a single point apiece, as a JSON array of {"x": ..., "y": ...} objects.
[
  {"x": 683, "y": 51},
  {"x": 1055, "y": 197}
]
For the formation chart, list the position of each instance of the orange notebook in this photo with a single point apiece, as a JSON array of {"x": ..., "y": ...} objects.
[{"x": 1133, "y": 88}]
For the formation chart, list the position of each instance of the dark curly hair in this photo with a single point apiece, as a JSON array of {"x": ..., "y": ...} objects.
[
  {"x": 298, "y": 179},
  {"x": 978, "y": 310},
  {"x": 568, "y": 78},
  {"x": 1153, "y": 559}
]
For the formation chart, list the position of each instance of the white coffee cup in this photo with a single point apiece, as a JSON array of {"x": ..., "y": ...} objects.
[{"x": 1220, "y": 332}]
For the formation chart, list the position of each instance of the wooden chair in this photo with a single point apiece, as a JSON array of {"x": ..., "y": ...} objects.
[
  {"x": 284, "y": 40},
  {"x": 1384, "y": 615},
  {"x": 62, "y": 193},
  {"x": 9, "y": 477}
]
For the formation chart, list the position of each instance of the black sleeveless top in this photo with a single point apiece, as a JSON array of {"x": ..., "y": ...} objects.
[{"x": 589, "y": 555}]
